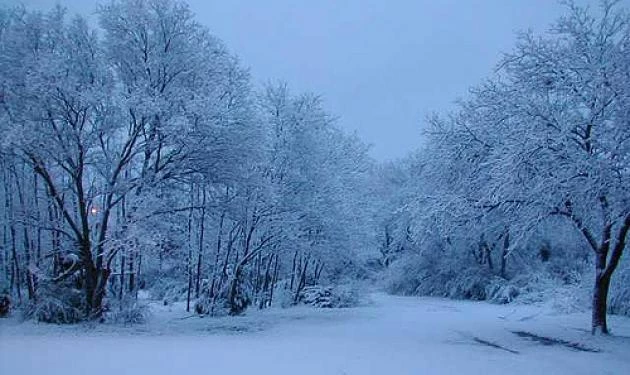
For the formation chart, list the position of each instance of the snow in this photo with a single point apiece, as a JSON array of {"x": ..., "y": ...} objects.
[{"x": 393, "y": 335}]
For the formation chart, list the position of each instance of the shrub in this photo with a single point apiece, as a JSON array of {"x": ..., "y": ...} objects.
[
  {"x": 346, "y": 295},
  {"x": 329, "y": 297},
  {"x": 283, "y": 296},
  {"x": 57, "y": 303},
  {"x": 502, "y": 293},
  {"x": 220, "y": 304},
  {"x": 128, "y": 312}
]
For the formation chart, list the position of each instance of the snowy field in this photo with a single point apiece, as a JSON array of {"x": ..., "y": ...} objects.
[{"x": 393, "y": 335}]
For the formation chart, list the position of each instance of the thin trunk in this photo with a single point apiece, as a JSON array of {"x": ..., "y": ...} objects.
[
  {"x": 293, "y": 270},
  {"x": 55, "y": 237},
  {"x": 132, "y": 272},
  {"x": 121, "y": 292},
  {"x": 17, "y": 281},
  {"x": 200, "y": 248},
  {"x": 139, "y": 276},
  {"x": 257, "y": 277},
  {"x": 319, "y": 273},
  {"x": 218, "y": 253},
  {"x": 226, "y": 261},
  {"x": 189, "y": 260},
  {"x": 38, "y": 238},
  {"x": 488, "y": 256},
  {"x": 38, "y": 243},
  {"x": 267, "y": 281},
  {"x": 274, "y": 281},
  {"x": 26, "y": 242},
  {"x": 6, "y": 263},
  {"x": 15, "y": 275},
  {"x": 5, "y": 252},
  {"x": 302, "y": 280},
  {"x": 504, "y": 253}
]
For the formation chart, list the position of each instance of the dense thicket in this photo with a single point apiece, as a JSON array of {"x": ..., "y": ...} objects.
[{"x": 138, "y": 156}]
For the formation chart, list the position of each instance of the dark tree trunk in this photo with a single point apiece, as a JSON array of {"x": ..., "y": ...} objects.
[
  {"x": 15, "y": 275},
  {"x": 274, "y": 280},
  {"x": 301, "y": 279},
  {"x": 132, "y": 272},
  {"x": 600, "y": 299},
  {"x": 257, "y": 277},
  {"x": 139, "y": 276},
  {"x": 122, "y": 276},
  {"x": 504, "y": 253},
  {"x": 201, "y": 239},
  {"x": 93, "y": 291},
  {"x": 488, "y": 256},
  {"x": 605, "y": 266},
  {"x": 216, "y": 258},
  {"x": 293, "y": 270},
  {"x": 189, "y": 258},
  {"x": 26, "y": 242},
  {"x": 16, "y": 279},
  {"x": 55, "y": 237},
  {"x": 266, "y": 281}
]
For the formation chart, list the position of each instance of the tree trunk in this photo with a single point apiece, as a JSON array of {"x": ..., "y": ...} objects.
[
  {"x": 26, "y": 242},
  {"x": 189, "y": 258},
  {"x": 38, "y": 243},
  {"x": 293, "y": 270},
  {"x": 504, "y": 253},
  {"x": 201, "y": 239},
  {"x": 274, "y": 280},
  {"x": 122, "y": 276},
  {"x": 132, "y": 272},
  {"x": 100, "y": 284},
  {"x": 257, "y": 277},
  {"x": 15, "y": 275},
  {"x": 604, "y": 269},
  {"x": 95, "y": 279},
  {"x": 600, "y": 299}
]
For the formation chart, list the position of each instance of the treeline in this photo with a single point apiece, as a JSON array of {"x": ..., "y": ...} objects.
[{"x": 137, "y": 155}]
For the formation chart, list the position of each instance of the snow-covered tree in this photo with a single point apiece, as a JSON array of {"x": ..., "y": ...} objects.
[{"x": 548, "y": 137}]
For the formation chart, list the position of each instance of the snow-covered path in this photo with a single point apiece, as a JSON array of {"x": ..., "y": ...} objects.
[{"x": 395, "y": 335}]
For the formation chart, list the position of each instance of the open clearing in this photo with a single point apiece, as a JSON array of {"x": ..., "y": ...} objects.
[{"x": 392, "y": 335}]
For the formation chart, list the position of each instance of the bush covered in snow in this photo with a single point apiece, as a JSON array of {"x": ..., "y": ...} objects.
[
  {"x": 129, "y": 311},
  {"x": 60, "y": 304},
  {"x": 340, "y": 296}
]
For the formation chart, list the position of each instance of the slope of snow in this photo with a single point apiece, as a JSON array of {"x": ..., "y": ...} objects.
[{"x": 394, "y": 335}]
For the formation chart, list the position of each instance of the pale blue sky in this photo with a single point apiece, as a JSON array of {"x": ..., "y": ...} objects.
[{"x": 381, "y": 66}]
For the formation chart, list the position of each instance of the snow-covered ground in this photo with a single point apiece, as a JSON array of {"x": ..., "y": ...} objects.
[{"x": 393, "y": 335}]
